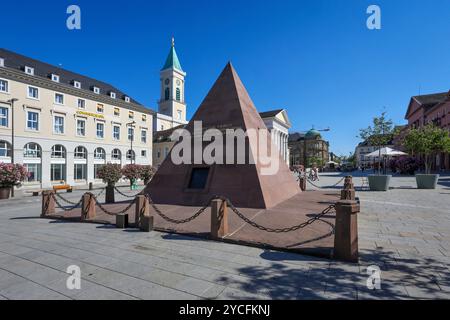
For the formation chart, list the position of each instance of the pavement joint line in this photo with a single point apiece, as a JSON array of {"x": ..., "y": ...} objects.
[
  {"x": 50, "y": 267},
  {"x": 39, "y": 284},
  {"x": 402, "y": 204},
  {"x": 135, "y": 277}
]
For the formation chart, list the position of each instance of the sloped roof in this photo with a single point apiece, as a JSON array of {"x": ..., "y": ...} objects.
[
  {"x": 172, "y": 60},
  {"x": 41, "y": 69},
  {"x": 269, "y": 114},
  {"x": 430, "y": 100}
]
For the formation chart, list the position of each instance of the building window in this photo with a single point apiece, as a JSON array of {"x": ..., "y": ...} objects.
[
  {"x": 116, "y": 133},
  {"x": 144, "y": 118},
  {"x": 80, "y": 171},
  {"x": 179, "y": 114},
  {"x": 96, "y": 167},
  {"x": 58, "y": 152},
  {"x": 130, "y": 134},
  {"x": 116, "y": 154},
  {"x": 29, "y": 70},
  {"x": 55, "y": 78},
  {"x": 131, "y": 115},
  {"x": 32, "y": 150},
  {"x": 131, "y": 155},
  {"x": 144, "y": 153},
  {"x": 99, "y": 154},
  {"x": 32, "y": 120},
  {"x": 100, "y": 108},
  {"x": 127, "y": 99},
  {"x": 80, "y": 153},
  {"x": 167, "y": 94},
  {"x": 100, "y": 130},
  {"x": 58, "y": 125},
  {"x": 96, "y": 90},
  {"x": 112, "y": 95},
  {"x": 162, "y": 127},
  {"x": 81, "y": 104},
  {"x": 81, "y": 127},
  {"x": 3, "y": 117},
  {"x": 77, "y": 84},
  {"x": 166, "y": 152},
  {"x": 144, "y": 136},
  {"x": 4, "y": 86},
  {"x": 59, "y": 98},
  {"x": 33, "y": 93},
  {"x": 5, "y": 149},
  {"x": 178, "y": 94},
  {"x": 58, "y": 172},
  {"x": 116, "y": 112},
  {"x": 34, "y": 172},
  {"x": 2, "y": 62}
]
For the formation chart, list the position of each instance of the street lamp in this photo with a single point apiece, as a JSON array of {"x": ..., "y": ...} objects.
[
  {"x": 131, "y": 124},
  {"x": 11, "y": 103}
]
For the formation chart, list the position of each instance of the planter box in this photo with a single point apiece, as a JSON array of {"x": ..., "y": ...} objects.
[
  {"x": 4, "y": 193},
  {"x": 427, "y": 181},
  {"x": 379, "y": 182}
]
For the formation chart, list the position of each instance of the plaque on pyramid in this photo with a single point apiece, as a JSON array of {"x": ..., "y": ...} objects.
[{"x": 247, "y": 184}]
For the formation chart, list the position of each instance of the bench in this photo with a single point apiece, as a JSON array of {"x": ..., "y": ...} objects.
[{"x": 63, "y": 187}]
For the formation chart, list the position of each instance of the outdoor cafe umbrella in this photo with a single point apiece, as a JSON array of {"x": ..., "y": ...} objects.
[{"x": 385, "y": 153}]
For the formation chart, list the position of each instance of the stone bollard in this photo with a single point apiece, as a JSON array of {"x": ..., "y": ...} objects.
[
  {"x": 88, "y": 207},
  {"x": 142, "y": 209},
  {"x": 48, "y": 203},
  {"x": 302, "y": 182},
  {"x": 219, "y": 219},
  {"x": 348, "y": 193},
  {"x": 122, "y": 221},
  {"x": 346, "y": 231},
  {"x": 146, "y": 223}
]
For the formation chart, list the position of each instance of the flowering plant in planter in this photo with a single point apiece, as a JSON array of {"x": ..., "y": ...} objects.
[
  {"x": 132, "y": 172},
  {"x": 147, "y": 173},
  {"x": 12, "y": 174},
  {"x": 110, "y": 173}
]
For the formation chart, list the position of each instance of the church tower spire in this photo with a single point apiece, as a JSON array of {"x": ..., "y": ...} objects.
[{"x": 172, "y": 103}]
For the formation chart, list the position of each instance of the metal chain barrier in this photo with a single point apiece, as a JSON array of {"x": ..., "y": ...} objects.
[
  {"x": 74, "y": 205},
  {"x": 102, "y": 208},
  {"x": 325, "y": 187},
  {"x": 280, "y": 230},
  {"x": 128, "y": 196},
  {"x": 175, "y": 221}
]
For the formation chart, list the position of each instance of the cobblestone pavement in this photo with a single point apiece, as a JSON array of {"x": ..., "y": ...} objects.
[{"x": 404, "y": 231}]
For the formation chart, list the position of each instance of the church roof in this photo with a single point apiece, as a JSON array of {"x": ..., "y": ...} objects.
[
  {"x": 312, "y": 134},
  {"x": 172, "y": 61}
]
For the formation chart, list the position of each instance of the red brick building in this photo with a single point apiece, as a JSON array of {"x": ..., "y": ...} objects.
[{"x": 431, "y": 108}]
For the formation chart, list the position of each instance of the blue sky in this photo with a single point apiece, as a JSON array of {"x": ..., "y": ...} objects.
[{"x": 315, "y": 58}]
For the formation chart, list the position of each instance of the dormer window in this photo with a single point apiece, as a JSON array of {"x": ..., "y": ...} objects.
[
  {"x": 55, "y": 77},
  {"x": 96, "y": 90},
  {"x": 29, "y": 70},
  {"x": 112, "y": 95},
  {"x": 2, "y": 62},
  {"x": 77, "y": 84},
  {"x": 127, "y": 99}
]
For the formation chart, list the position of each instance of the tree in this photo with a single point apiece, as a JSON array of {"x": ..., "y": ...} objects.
[
  {"x": 379, "y": 134},
  {"x": 110, "y": 173},
  {"x": 427, "y": 142},
  {"x": 147, "y": 173}
]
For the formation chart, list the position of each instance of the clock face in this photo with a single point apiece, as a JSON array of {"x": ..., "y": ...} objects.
[
  {"x": 167, "y": 81},
  {"x": 178, "y": 82}
]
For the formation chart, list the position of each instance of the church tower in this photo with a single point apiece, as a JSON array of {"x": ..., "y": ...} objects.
[{"x": 172, "y": 103}]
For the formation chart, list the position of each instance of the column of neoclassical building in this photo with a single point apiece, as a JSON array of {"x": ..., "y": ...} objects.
[{"x": 281, "y": 141}]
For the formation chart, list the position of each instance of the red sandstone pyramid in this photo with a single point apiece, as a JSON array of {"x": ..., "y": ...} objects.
[{"x": 227, "y": 105}]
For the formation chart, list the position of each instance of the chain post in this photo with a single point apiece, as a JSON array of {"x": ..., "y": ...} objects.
[
  {"x": 348, "y": 193},
  {"x": 346, "y": 231},
  {"x": 88, "y": 206},
  {"x": 219, "y": 218},
  {"x": 48, "y": 203}
]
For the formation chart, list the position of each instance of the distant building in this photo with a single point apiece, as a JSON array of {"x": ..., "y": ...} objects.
[
  {"x": 431, "y": 108},
  {"x": 365, "y": 148},
  {"x": 305, "y": 149}
]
